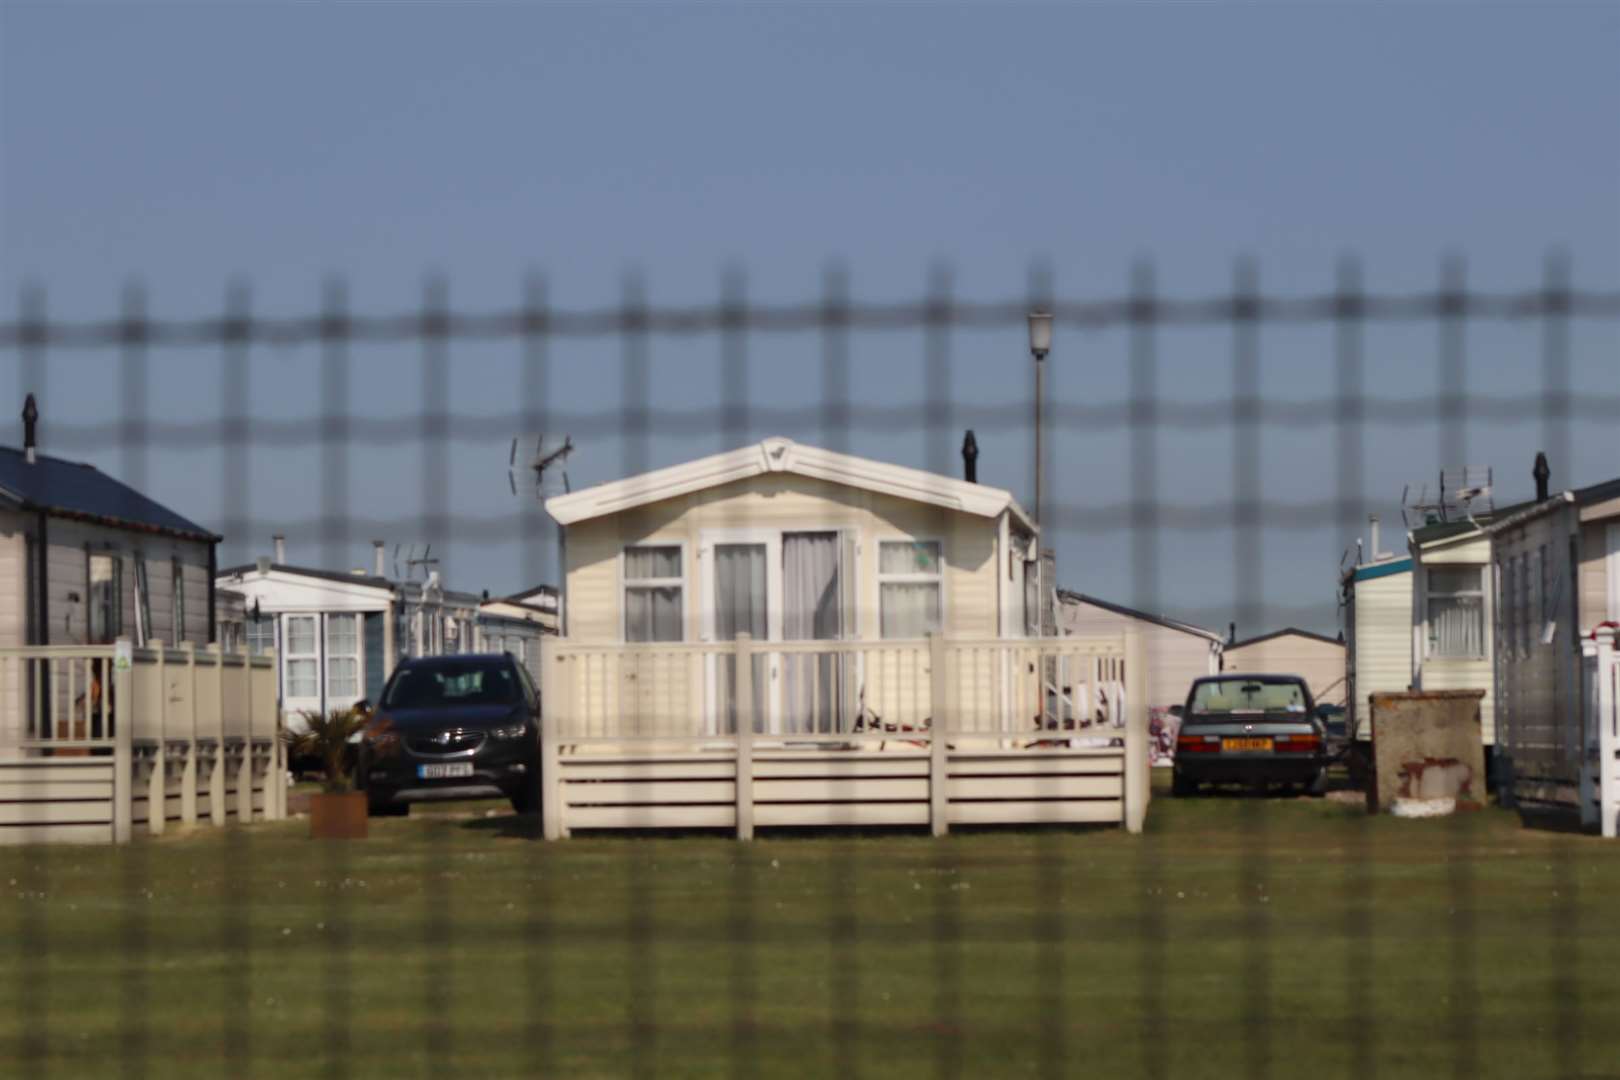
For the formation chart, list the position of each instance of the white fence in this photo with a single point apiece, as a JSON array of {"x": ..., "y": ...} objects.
[
  {"x": 1600, "y": 771},
  {"x": 93, "y": 746},
  {"x": 931, "y": 732}
]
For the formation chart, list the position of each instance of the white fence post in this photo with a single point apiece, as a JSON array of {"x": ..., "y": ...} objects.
[
  {"x": 216, "y": 781},
  {"x": 940, "y": 705},
  {"x": 157, "y": 781},
  {"x": 555, "y": 698},
  {"x": 1137, "y": 786},
  {"x": 742, "y": 698},
  {"x": 244, "y": 777},
  {"x": 188, "y": 773},
  {"x": 1608, "y": 777},
  {"x": 123, "y": 764}
]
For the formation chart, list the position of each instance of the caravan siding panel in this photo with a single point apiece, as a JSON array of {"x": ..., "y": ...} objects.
[
  {"x": 1445, "y": 673},
  {"x": 1319, "y": 663},
  {"x": 1596, "y": 600},
  {"x": 1383, "y": 640}
]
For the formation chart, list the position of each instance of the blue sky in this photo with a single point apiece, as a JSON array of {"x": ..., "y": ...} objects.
[{"x": 186, "y": 144}]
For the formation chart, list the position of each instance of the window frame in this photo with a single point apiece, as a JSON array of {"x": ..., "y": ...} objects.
[
  {"x": 626, "y": 583},
  {"x": 357, "y": 655},
  {"x": 1431, "y": 650},
  {"x": 112, "y": 614},
  {"x": 936, "y": 579},
  {"x": 288, "y": 656},
  {"x": 177, "y": 599}
]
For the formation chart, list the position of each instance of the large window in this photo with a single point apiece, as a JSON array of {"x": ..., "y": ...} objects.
[
  {"x": 654, "y": 598},
  {"x": 106, "y": 591},
  {"x": 1456, "y": 612},
  {"x": 342, "y": 658},
  {"x": 909, "y": 588},
  {"x": 302, "y": 661}
]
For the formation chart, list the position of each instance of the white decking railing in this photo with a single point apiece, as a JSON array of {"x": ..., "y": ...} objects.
[
  {"x": 92, "y": 745},
  {"x": 930, "y": 732}
]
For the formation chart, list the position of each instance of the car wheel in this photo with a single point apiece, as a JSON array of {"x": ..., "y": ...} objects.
[
  {"x": 1182, "y": 786},
  {"x": 1318, "y": 785},
  {"x": 389, "y": 808}
]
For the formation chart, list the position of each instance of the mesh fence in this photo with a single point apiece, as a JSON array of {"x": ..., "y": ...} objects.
[{"x": 1047, "y": 951}]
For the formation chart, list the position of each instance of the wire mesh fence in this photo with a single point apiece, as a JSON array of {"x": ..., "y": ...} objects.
[{"x": 488, "y": 951}]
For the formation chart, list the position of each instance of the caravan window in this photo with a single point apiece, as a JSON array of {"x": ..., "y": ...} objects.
[
  {"x": 1456, "y": 612},
  {"x": 909, "y": 588},
  {"x": 106, "y": 617},
  {"x": 653, "y": 594},
  {"x": 302, "y": 677},
  {"x": 343, "y": 657}
]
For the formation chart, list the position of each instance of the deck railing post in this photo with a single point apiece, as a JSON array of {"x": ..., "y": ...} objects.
[
  {"x": 743, "y": 703},
  {"x": 1137, "y": 787},
  {"x": 188, "y": 772},
  {"x": 123, "y": 756},
  {"x": 943, "y": 711},
  {"x": 157, "y": 781},
  {"x": 555, "y": 699},
  {"x": 1608, "y": 778},
  {"x": 216, "y": 779},
  {"x": 244, "y": 776}
]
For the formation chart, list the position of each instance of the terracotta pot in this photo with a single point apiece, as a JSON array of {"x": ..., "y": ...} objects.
[{"x": 337, "y": 817}]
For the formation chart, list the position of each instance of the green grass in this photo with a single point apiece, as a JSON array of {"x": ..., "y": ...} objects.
[{"x": 1239, "y": 937}]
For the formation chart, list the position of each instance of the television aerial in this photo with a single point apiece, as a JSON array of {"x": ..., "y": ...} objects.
[{"x": 548, "y": 463}]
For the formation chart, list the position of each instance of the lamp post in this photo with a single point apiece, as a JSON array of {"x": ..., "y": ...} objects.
[{"x": 1040, "y": 343}]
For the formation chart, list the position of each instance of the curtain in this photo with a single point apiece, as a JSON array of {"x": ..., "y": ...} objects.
[
  {"x": 1456, "y": 612},
  {"x": 652, "y": 613},
  {"x": 811, "y": 612},
  {"x": 910, "y": 609},
  {"x": 740, "y": 608}
]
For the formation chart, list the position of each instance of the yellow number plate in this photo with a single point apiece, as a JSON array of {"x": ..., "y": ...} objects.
[{"x": 1246, "y": 744}]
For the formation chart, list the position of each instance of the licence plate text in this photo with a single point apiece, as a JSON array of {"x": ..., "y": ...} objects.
[
  {"x": 1246, "y": 744},
  {"x": 441, "y": 772}
]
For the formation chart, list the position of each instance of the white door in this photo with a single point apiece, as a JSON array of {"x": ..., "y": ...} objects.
[{"x": 741, "y": 592}]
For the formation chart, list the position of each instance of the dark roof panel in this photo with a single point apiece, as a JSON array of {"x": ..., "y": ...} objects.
[
  {"x": 72, "y": 489},
  {"x": 1284, "y": 632}
]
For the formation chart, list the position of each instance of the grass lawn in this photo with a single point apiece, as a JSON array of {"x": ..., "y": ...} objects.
[{"x": 1239, "y": 937}]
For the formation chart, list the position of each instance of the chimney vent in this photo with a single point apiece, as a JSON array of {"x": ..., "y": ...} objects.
[
  {"x": 970, "y": 458},
  {"x": 280, "y": 543},
  {"x": 263, "y": 564},
  {"x": 1542, "y": 472},
  {"x": 1372, "y": 526},
  {"x": 378, "y": 562},
  {"x": 30, "y": 419}
]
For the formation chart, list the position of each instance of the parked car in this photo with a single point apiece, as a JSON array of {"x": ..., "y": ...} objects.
[
  {"x": 1255, "y": 730},
  {"x": 454, "y": 727}
]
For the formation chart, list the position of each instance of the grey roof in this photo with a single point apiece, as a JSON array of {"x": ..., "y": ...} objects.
[
  {"x": 310, "y": 571},
  {"x": 1131, "y": 613},
  {"x": 75, "y": 490},
  {"x": 1285, "y": 631}
]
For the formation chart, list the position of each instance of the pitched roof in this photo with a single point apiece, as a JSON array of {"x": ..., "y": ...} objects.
[
  {"x": 1285, "y": 632},
  {"x": 1445, "y": 530},
  {"x": 312, "y": 572},
  {"x": 1132, "y": 613},
  {"x": 75, "y": 490},
  {"x": 779, "y": 455}
]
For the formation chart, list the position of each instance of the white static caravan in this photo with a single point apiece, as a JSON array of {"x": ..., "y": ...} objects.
[
  {"x": 1177, "y": 652},
  {"x": 1557, "y": 584},
  {"x": 1376, "y": 605},
  {"x": 1319, "y": 660},
  {"x": 783, "y": 635}
]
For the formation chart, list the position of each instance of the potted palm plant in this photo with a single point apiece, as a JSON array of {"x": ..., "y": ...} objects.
[{"x": 338, "y": 812}]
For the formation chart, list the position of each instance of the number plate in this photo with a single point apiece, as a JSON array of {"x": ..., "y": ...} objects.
[
  {"x": 449, "y": 769},
  {"x": 1246, "y": 744}
]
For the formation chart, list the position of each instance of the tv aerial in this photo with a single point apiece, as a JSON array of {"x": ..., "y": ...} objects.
[{"x": 548, "y": 463}]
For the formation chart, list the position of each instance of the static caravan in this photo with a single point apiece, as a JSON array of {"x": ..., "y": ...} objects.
[
  {"x": 339, "y": 635},
  {"x": 1376, "y": 606},
  {"x": 1319, "y": 660},
  {"x": 1177, "y": 652},
  {"x": 1556, "y": 571},
  {"x": 786, "y": 635}
]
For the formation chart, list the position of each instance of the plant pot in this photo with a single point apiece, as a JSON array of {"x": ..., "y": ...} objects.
[{"x": 337, "y": 817}]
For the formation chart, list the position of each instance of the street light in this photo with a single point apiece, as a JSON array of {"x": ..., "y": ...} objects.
[{"x": 1040, "y": 343}]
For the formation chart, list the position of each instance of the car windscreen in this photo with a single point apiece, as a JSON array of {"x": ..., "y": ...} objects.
[
  {"x": 1248, "y": 695},
  {"x": 453, "y": 684}
]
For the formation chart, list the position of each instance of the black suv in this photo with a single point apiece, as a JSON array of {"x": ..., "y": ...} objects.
[{"x": 454, "y": 727}]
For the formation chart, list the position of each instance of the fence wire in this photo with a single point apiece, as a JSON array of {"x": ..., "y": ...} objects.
[{"x": 336, "y": 425}]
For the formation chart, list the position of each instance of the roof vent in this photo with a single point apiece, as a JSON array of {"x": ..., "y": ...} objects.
[
  {"x": 30, "y": 419},
  {"x": 970, "y": 458},
  {"x": 1542, "y": 472}
]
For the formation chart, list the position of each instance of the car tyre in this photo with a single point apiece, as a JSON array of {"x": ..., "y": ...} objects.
[
  {"x": 387, "y": 808},
  {"x": 1318, "y": 785},
  {"x": 1181, "y": 786},
  {"x": 526, "y": 799}
]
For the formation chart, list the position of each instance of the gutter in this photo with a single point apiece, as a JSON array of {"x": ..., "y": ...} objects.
[{"x": 1563, "y": 498}]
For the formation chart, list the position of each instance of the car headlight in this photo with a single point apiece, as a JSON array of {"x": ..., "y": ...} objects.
[{"x": 510, "y": 731}]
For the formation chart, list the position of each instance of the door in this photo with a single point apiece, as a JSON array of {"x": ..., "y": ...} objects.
[
  {"x": 743, "y": 595},
  {"x": 813, "y": 609}
]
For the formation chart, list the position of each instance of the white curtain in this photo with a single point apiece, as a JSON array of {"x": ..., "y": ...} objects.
[
  {"x": 1456, "y": 612},
  {"x": 740, "y": 608},
  {"x": 811, "y": 612},
  {"x": 910, "y": 609},
  {"x": 652, "y": 613}
]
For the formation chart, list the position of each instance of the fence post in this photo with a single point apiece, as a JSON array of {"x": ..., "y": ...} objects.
[
  {"x": 216, "y": 780},
  {"x": 244, "y": 776},
  {"x": 743, "y": 702},
  {"x": 555, "y": 697},
  {"x": 1608, "y": 778},
  {"x": 942, "y": 709},
  {"x": 123, "y": 776},
  {"x": 188, "y": 773},
  {"x": 157, "y": 780},
  {"x": 1137, "y": 786},
  {"x": 278, "y": 728}
]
